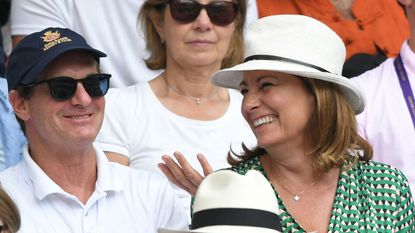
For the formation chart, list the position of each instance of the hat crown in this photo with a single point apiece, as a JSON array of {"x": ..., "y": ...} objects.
[
  {"x": 228, "y": 202},
  {"x": 293, "y": 44},
  {"x": 296, "y": 37},
  {"x": 228, "y": 189}
]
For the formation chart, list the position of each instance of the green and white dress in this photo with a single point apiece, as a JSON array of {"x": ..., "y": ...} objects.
[{"x": 370, "y": 197}]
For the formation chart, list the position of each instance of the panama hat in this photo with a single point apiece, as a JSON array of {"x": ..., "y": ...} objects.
[
  {"x": 227, "y": 202},
  {"x": 297, "y": 45}
]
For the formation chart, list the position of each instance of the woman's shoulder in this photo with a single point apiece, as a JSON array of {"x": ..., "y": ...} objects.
[
  {"x": 378, "y": 177},
  {"x": 122, "y": 97},
  {"x": 127, "y": 91},
  {"x": 374, "y": 167}
]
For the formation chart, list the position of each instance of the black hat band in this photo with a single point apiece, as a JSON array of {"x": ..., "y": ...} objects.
[
  {"x": 236, "y": 217},
  {"x": 277, "y": 58}
]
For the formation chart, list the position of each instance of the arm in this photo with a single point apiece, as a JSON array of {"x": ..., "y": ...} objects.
[
  {"x": 404, "y": 212},
  {"x": 251, "y": 12},
  {"x": 182, "y": 173},
  {"x": 118, "y": 158},
  {"x": 28, "y": 16}
]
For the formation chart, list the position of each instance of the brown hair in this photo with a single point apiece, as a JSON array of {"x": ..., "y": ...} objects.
[
  {"x": 9, "y": 213},
  {"x": 333, "y": 130},
  {"x": 153, "y": 9}
]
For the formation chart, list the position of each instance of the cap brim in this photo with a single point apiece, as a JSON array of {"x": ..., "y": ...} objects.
[
  {"x": 38, "y": 67},
  {"x": 232, "y": 78}
]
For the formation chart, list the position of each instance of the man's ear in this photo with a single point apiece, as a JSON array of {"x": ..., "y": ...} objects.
[{"x": 19, "y": 105}]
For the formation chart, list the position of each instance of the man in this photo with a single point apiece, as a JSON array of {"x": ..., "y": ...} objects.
[
  {"x": 65, "y": 183},
  {"x": 388, "y": 121}
]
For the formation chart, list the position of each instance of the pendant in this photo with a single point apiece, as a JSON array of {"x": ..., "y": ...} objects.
[
  {"x": 197, "y": 101},
  {"x": 296, "y": 198}
]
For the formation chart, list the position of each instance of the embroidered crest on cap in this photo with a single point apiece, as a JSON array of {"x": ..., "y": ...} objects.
[{"x": 53, "y": 38}]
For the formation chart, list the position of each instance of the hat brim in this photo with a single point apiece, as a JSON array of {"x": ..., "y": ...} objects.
[
  {"x": 222, "y": 229},
  {"x": 232, "y": 78},
  {"x": 38, "y": 67}
]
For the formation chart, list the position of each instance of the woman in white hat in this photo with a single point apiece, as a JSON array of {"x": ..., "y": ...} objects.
[{"x": 302, "y": 112}]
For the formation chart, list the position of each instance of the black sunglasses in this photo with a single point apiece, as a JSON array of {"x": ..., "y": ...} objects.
[
  {"x": 64, "y": 88},
  {"x": 220, "y": 13}
]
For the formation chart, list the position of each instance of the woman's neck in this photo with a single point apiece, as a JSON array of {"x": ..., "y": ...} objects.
[
  {"x": 190, "y": 84},
  {"x": 290, "y": 167}
]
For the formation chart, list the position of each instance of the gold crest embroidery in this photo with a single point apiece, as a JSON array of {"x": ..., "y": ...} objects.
[
  {"x": 53, "y": 38},
  {"x": 50, "y": 36}
]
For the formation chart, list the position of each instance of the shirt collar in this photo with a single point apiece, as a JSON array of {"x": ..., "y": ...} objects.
[{"x": 107, "y": 178}]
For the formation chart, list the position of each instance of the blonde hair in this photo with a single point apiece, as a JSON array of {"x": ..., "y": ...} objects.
[
  {"x": 332, "y": 128},
  {"x": 9, "y": 213},
  {"x": 153, "y": 9}
]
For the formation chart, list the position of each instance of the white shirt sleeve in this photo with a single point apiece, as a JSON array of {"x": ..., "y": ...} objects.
[
  {"x": 28, "y": 16},
  {"x": 251, "y": 12},
  {"x": 169, "y": 212},
  {"x": 122, "y": 125}
]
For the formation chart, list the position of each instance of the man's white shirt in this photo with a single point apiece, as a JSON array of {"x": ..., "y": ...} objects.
[{"x": 125, "y": 200}]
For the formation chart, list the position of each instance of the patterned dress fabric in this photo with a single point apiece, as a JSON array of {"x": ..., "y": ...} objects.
[{"x": 370, "y": 197}]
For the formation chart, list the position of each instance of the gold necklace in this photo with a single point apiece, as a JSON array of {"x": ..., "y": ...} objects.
[
  {"x": 197, "y": 100},
  {"x": 297, "y": 197}
]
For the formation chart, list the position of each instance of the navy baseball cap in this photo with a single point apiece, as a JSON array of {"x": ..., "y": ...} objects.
[{"x": 37, "y": 50}]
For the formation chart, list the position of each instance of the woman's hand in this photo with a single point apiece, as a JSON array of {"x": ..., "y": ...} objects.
[{"x": 182, "y": 173}]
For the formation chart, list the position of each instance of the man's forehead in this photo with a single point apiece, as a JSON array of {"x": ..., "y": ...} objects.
[{"x": 73, "y": 63}]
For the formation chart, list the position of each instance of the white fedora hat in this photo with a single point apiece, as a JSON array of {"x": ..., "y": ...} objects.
[
  {"x": 227, "y": 202},
  {"x": 293, "y": 44}
]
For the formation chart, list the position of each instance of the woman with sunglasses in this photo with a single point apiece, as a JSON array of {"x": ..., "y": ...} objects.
[
  {"x": 9, "y": 214},
  {"x": 181, "y": 110}
]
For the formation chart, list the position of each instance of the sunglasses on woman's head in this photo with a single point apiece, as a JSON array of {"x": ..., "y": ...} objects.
[
  {"x": 220, "y": 13},
  {"x": 64, "y": 88}
]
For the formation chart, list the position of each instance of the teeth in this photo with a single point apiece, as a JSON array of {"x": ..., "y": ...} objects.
[
  {"x": 264, "y": 120},
  {"x": 79, "y": 117}
]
